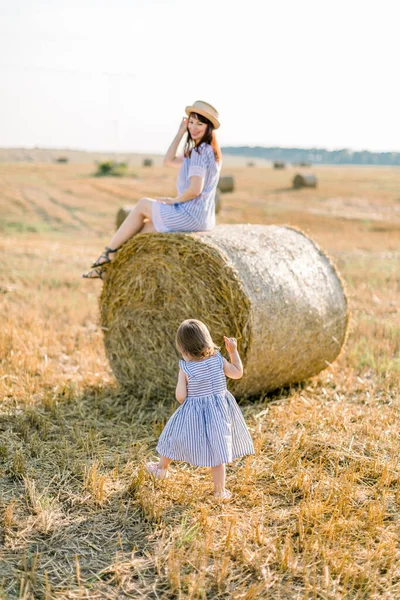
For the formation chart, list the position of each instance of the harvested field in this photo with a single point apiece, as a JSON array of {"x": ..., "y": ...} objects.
[{"x": 316, "y": 512}]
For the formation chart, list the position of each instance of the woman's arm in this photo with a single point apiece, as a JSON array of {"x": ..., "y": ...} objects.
[
  {"x": 170, "y": 159},
  {"x": 181, "y": 387},
  {"x": 195, "y": 188}
]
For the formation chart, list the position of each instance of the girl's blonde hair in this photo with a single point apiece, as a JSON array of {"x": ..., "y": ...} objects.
[{"x": 193, "y": 339}]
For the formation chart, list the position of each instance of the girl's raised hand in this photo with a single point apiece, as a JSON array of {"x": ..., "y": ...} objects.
[{"x": 230, "y": 344}]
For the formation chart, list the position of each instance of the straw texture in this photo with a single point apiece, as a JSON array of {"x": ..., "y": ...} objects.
[{"x": 270, "y": 287}]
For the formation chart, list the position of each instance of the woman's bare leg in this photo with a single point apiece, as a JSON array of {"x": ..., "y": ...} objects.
[
  {"x": 148, "y": 227},
  {"x": 218, "y": 474},
  {"x": 138, "y": 221},
  {"x": 133, "y": 223}
]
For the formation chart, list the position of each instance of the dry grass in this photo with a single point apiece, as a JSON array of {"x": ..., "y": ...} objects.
[{"x": 316, "y": 510}]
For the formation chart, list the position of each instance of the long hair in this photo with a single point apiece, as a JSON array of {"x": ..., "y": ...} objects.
[
  {"x": 209, "y": 137},
  {"x": 194, "y": 339}
]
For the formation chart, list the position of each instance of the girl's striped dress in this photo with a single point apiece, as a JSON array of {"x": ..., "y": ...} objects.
[
  {"x": 208, "y": 429},
  {"x": 197, "y": 214}
]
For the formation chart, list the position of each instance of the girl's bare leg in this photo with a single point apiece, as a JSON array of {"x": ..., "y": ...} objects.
[
  {"x": 218, "y": 474},
  {"x": 164, "y": 462}
]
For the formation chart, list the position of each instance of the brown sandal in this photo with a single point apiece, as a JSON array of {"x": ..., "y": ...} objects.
[
  {"x": 104, "y": 255},
  {"x": 94, "y": 274}
]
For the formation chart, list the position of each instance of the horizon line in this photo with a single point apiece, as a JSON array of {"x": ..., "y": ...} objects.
[{"x": 226, "y": 147}]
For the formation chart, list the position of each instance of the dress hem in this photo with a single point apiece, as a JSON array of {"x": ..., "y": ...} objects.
[
  {"x": 157, "y": 218},
  {"x": 206, "y": 466}
]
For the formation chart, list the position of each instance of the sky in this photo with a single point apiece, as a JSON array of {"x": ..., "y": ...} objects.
[{"x": 116, "y": 76}]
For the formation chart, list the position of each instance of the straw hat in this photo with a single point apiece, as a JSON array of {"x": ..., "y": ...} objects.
[{"x": 206, "y": 110}]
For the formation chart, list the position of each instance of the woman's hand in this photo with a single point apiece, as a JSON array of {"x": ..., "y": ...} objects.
[
  {"x": 183, "y": 126},
  {"x": 230, "y": 344},
  {"x": 166, "y": 200}
]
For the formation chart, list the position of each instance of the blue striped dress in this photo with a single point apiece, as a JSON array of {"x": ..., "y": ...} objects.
[
  {"x": 208, "y": 429},
  {"x": 197, "y": 214}
]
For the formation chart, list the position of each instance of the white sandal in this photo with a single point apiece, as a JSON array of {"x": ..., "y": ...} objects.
[
  {"x": 153, "y": 469},
  {"x": 225, "y": 495}
]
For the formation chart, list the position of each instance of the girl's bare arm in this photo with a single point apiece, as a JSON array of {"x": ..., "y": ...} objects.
[
  {"x": 233, "y": 369},
  {"x": 181, "y": 387}
]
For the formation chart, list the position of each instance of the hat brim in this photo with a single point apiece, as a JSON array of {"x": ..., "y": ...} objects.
[{"x": 204, "y": 113}]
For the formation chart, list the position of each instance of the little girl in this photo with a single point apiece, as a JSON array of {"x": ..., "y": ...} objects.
[{"x": 208, "y": 430}]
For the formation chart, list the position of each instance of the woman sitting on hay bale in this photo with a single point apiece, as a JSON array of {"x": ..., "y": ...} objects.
[{"x": 194, "y": 207}]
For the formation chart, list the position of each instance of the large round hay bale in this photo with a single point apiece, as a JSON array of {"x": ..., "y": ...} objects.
[
  {"x": 226, "y": 184},
  {"x": 303, "y": 180},
  {"x": 271, "y": 287},
  {"x": 147, "y": 162}
]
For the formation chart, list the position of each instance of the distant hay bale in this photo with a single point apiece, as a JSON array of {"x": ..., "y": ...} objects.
[
  {"x": 304, "y": 180},
  {"x": 270, "y": 287},
  {"x": 226, "y": 184},
  {"x": 251, "y": 164},
  {"x": 218, "y": 203},
  {"x": 62, "y": 159},
  {"x": 279, "y": 165},
  {"x": 122, "y": 214},
  {"x": 147, "y": 162}
]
